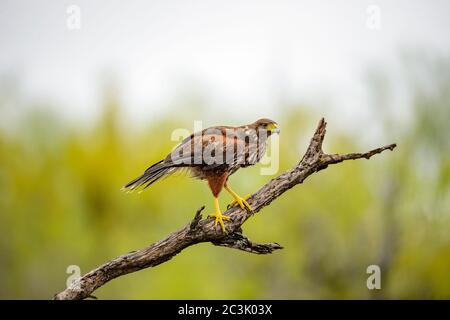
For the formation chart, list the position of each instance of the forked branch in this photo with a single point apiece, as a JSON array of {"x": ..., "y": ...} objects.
[{"x": 203, "y": 230}]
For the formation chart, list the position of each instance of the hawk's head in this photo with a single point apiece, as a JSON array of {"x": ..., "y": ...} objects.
[{"x": 266, "y": 124}]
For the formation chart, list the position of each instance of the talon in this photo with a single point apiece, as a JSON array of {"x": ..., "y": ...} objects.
[
  {"x": 220, "y": 218},
  {"x": 242, "y": 202}
]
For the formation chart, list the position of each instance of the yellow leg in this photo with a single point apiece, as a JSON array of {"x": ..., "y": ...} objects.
[
  {"x": 237, "y": 199},
  {"x": 218, "y": 215}
]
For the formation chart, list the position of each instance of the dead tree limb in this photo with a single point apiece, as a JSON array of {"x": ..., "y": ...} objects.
[{"x": 203, "y": 230}]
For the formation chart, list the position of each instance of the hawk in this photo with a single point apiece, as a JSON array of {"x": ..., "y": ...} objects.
[{"x": 214, "y": 154}]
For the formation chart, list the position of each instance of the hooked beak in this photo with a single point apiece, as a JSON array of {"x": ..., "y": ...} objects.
[{"x": 273, "y": 128}]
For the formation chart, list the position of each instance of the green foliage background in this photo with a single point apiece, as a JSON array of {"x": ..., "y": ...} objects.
[{"x": 60, "y": 203}]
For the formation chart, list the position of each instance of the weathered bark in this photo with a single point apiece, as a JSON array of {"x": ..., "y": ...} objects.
[{"x": 203, "y": 230}]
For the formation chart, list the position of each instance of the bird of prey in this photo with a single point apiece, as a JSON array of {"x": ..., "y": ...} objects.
[{"x": 214, "y": 154}]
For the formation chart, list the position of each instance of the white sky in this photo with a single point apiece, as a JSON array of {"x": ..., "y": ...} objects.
[{"x": 240, "y": 54}]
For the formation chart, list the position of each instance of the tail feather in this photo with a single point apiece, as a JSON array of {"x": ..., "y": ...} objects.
[{"x": 150, "y": 176}]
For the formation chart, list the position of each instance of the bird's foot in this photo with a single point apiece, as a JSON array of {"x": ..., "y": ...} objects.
[
  {"x": 220, "y": 218},
  {"x": 242, "y": 203}
]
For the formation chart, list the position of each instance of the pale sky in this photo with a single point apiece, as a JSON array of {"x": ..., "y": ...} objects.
[{"x": 240, "y": 54}]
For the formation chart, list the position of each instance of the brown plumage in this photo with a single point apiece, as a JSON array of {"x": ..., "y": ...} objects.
[{"x": 213, "y": 154}]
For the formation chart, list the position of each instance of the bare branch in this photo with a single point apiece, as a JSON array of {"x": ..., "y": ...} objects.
[
  {"x": 237, "y": 240},
  {"x": 197, "y": 218},
  {"x": 199, "y": 230}
]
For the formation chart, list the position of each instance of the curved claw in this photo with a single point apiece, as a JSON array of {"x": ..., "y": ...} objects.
[
  {"x": 220, "y": 218},
  {"x": 242, "y": 203}
]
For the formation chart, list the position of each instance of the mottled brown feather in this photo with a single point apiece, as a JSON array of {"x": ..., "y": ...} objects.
[{"x": 213, "y": 141}]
